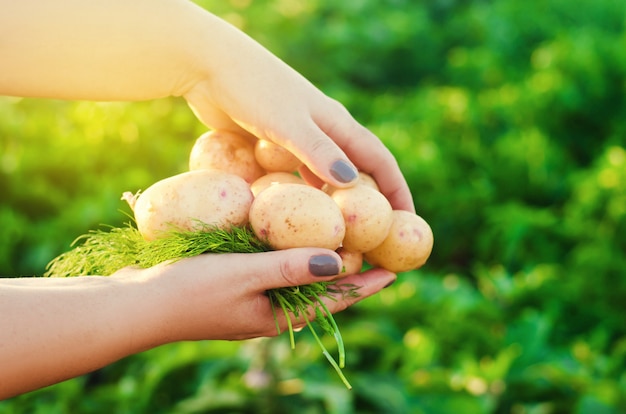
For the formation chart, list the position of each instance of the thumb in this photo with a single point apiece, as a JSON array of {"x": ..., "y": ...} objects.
[
  {"x": 294, "y": 267},
  {"x": 304, "y": 266}
]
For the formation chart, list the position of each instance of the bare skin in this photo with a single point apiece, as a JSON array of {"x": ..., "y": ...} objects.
[{"x": 55, "y": 329}]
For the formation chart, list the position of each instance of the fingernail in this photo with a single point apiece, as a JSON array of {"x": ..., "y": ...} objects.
[
  {"x": 343, "y": 172},
  {"x": 389, "y": 284},
  {"x": 323, "y": 265}
]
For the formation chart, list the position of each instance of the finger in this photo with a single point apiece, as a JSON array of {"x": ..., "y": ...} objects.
[
  {"x": 354, "y": 288},
  {"x": 286, "y": 268},
  {"x": 368, "y": 153},
  {"x": 350, "y": 290},
  {"x": 345, "y": 293},
  {"x": 309, "y": 177},
  {"x": 304, "y": 139},
  {"x": 298, "y": 267},
  {"x": 321, "y": 155},
  {"x": 304, "y": 266}
]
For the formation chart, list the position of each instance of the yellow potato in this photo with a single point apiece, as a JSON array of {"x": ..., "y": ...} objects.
[
  {"x": 274, "y": 178},
  {"x": 179, "y": 202},
  {"x": 364, "y": 179},
  {"x": 272, "y": 157},
  {"x": 352, "y": 262},
  {"x": 225, "y": 151},
  {"x": 407, "y": 246},
  {"x": 367, "y": 214},
  {"x": 296, "y": 215},
  {"x": 368, "y": 180}
]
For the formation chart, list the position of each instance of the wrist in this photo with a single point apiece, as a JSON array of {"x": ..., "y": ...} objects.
[{"x": 149, "y": 307}]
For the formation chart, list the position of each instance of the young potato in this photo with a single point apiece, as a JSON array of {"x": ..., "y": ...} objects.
[
  {"x": 296, "y": 215},
  {"x": 364, "y": 179},
  {"x": 352, "y": 262},
  {"x": 272, "y": 178},
  {"x": 407, "y": 246},
  {"x": 367, "y": 180},
  {"x": 273, "y": 157},
  {"x": 179, "y": 202},
  {"x": 225, "y": 151},
  {"x": 367, "y": 214}
]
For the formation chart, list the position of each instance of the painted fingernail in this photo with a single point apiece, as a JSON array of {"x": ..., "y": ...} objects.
[
  {"x": 323, "y": 265},
  {"x": 343, "y": 172}
]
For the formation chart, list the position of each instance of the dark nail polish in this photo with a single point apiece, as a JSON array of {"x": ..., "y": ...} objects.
[
  {"x": 343, "y": 172},
  {"x": 323, "y": 265}
]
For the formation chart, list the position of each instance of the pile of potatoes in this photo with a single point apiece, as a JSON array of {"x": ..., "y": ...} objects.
[{"x": 235, "y": 181}]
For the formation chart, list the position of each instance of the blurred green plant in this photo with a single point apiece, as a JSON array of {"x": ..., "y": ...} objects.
[{"x": 509, "y": 121}]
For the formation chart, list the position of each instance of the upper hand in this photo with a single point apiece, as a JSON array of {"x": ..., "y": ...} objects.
[{"x": 248, "y": 90}]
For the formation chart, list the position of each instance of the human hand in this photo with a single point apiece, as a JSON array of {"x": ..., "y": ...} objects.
[
  {"x": 246, "y": 89},
  {"x": 223, "y": 296},
  {"x": 152, "y": 49}
]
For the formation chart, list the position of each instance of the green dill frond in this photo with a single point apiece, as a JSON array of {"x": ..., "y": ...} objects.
[
  {"x": 103, "y": 252},
  {"x": 205, "y": 239},
  {"x": 98, "y": 253}
]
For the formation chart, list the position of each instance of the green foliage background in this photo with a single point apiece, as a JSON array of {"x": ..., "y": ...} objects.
[{"x": 509, "y": 120}]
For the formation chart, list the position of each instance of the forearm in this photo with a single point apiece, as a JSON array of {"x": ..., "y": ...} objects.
[
  {"x": 100, "y": 50},
  {"x": 56, "y": 329}
]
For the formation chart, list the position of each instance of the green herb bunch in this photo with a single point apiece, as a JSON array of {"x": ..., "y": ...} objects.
[{"x": 105, "y": 251}]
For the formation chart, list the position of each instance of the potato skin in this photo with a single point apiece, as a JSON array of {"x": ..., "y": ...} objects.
[
  {"x": 352, "y": 262},
  {"x": 364, "y": 179},
  {"x": 296, "y": 215},
  {"x": 368, "y": 216},
  {"x": 368, "y": 180},
  {"x": 272, "y": 157},
  {"x": 273, "y": 178},
  {"x": 225, "y": 151},
  {"x": 180, "y": 201},
  {"x": 407, "y": 246}
]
